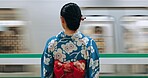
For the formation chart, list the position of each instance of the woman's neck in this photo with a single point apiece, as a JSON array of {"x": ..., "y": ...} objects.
[{"x": 69, "y": 32}]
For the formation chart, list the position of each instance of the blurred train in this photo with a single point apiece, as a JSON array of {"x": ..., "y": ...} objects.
[{"x": 117, "y": 26}]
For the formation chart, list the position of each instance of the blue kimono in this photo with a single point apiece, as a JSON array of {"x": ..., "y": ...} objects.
[{"x": 72, "y": 48}]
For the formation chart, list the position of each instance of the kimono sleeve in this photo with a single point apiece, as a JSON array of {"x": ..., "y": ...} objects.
[
  {"x": 93, "y": 68},
  {"x": 47, "y": 63}
]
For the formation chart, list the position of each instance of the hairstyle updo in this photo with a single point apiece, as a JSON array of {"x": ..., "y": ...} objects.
[{"x": 72, "y": 14}]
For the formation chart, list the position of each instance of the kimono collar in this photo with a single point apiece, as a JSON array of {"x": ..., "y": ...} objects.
[{"x": 78, "y": 34}]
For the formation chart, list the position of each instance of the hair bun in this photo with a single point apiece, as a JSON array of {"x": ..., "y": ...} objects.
[{"x": 72, "y": 15}]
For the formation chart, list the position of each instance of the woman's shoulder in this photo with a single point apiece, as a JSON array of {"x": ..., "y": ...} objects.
[{"x": 51, "y": 39}]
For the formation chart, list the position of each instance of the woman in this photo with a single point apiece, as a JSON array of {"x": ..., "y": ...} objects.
[{"x": 70, "y": 54}]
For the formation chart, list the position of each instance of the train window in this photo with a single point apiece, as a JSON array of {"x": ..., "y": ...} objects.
[
  {"x": 100, "y": 28},
  {"x": 135, "y": 33}
]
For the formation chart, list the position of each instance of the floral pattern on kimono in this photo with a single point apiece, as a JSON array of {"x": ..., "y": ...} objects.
[{"x": 67, "y": 49}]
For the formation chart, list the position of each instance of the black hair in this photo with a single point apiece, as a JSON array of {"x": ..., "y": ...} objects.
[{"x": 72, "y": 14}]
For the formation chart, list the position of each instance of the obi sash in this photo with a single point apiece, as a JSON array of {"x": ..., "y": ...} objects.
[{"x": 70, "y": 69}]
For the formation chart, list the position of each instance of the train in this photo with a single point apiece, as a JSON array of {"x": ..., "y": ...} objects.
[{"x": 117, "y": 26}]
